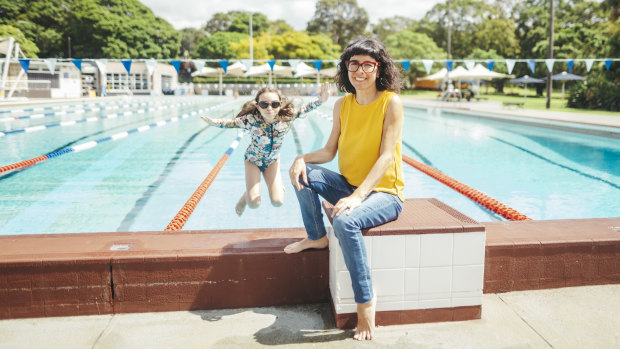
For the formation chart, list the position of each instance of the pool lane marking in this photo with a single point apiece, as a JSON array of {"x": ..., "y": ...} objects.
[
  {"x": 92, "y": 119},
  {"x": 186, "y": 211},
  {"x": 477, "y": 196},
  {"x": 30, "y": 162}
]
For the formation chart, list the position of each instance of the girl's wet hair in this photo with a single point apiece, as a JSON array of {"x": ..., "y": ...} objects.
[
  {"x": 388, "y": 75},
  {"x": 287, "y": 109}
]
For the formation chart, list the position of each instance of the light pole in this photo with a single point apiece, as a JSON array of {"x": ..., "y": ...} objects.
[
  {"x": 251, "y": 40},
  {"x": 550, "y": 74}
]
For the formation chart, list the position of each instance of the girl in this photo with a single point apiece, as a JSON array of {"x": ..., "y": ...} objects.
[{"x": 268, "y": 119}]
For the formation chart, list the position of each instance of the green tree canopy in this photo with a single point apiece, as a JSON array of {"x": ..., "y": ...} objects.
[
  {"x": 289, "y": 45},
  {"x": 218, "y": 45},
  {"x": 392, "y": 25},
  {"x": 237, "y": 22},
  {"x": 28, "y": 47},
  {"x": 409, "y": 45},
  {"x": 341, "y": 20},
  {"x": 190, "y": 38}
]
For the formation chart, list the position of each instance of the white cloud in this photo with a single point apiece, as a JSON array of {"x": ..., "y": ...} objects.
[{"x": 195, "y": 13}]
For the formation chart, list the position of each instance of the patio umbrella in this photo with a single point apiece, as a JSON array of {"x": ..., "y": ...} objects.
[
  {"x": 563, "y": 76},
  {"x": 526, "y": 79}
]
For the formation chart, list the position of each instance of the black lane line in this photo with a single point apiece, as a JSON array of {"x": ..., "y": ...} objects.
[
  {"x": 129, "y": 219},
  {"x": 419, "y": 155}
]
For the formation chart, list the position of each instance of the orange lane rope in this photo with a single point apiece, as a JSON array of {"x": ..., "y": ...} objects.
[
  {"x": 181, "y": 218},
  {"x": 481, "y": 198}
]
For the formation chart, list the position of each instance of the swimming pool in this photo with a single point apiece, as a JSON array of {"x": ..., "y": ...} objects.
[{"x": 139, "y": 182}]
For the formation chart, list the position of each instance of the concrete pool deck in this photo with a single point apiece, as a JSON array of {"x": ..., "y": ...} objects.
[{"x": 574, "y": 317}]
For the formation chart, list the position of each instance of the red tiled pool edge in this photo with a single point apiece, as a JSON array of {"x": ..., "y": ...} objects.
[{"x": 77, "y": 274}]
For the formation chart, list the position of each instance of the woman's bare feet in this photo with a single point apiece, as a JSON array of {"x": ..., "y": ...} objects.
[
  {"x": 306, "y": 244},
  {"x": 240, "y": 206},
  {"x": 365, "y": 320}
]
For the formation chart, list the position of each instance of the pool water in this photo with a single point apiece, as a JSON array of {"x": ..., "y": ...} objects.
[{"x": 140, "y": 182}]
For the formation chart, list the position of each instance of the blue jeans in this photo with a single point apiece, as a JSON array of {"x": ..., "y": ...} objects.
[{"x": 376, "y": 209}]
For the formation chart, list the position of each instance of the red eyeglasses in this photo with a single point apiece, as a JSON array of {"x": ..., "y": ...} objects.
[{"x": 367, "y": 67}]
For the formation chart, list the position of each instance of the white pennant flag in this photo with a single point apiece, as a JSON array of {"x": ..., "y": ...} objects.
[
  {"x": 510, "y": 63},
  {"x": 549, "y": 63},
  {"x": 470, "y": 64},
  {"x": 589, "y": 63},
  {"x": 51, "y": 64},
  {"x": 247, "y": 63},
  {"x": 101, "y": 65},
  {"x": 150, "y": 65},
  {"x": 428, "y": 64},
  {"x": 294, "y": 63},
  {"x": 199, "y": 64}
]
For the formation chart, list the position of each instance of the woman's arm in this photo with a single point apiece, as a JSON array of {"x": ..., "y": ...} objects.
[
  {"x": 321, "y": 156},
  {"x": 392, "y": 129}
]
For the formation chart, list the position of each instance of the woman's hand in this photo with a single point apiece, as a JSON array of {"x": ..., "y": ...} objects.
[
  {"x": 349, "y": 203},
  {"x": 209, "y": 120},
  {"x": 324, "y": 94},
  {"x": 298, "y": 169}
]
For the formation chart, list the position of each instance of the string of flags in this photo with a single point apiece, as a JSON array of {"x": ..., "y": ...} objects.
[{"x": 318, "y": 64}]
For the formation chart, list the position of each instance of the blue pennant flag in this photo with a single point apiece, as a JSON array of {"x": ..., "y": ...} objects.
[
  {"x": 224, "y": 64},
  {"x": 406, "y": 65},
  {"x": 570, "y": 65},
  {"x": 127, "y": 65},
  {"x": 77, "y": 63},
  {"x": 25, "y": 63},
  {"x": 176, "y": 64},
  {"x": 532, "y": 64},
  {"x": 490, "y": 65},
  {"x": 318, "y": 64},
  {"x": 608, "y": 63},
  {"x": 449, "y": 65},
  {"x": 271, "y": 63}
]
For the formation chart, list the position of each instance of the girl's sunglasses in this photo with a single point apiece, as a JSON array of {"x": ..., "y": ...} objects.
[{"x": 265, "y": 105}]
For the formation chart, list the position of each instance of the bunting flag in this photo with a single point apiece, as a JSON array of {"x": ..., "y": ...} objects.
[
  {"x": 294, "y": 63},
  {"x": 176, "y": 64},
  {"x": 77, "y": 63},
  {"x": 25, "y": 63},
  {"x": 271, "y": 63},
  {"x": 428, "y": 64},
  {"x": 550, "y": 62},
  {"x": 490, "y": 64},
  {"x": 150, "y": 66},
  {"x": 608, "y": 63},
  {"x": 224, "y": 64},
  {"x": 510, "y": 64},
  {"x": 199, "y": 64},
  {"x": 532, "y": 64},
  {"x": 570, "y": 65},
  {"x": 589, "y": 63},
  {"x": 127, "y": 65},
  {"x": 449, "y": 65},
  {"x": 51, "y": 64},
  {"x": 406, "y": 65},
  {"x": 247, "y": 63},
  {"x": 469, "y": 64},
  {"x": 318, "y": 64}
]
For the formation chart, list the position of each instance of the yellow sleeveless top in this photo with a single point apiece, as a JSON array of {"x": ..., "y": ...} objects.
[{"x": 360, "y": 142}]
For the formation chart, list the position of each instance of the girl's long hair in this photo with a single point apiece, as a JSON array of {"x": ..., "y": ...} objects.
[{"x": 287, "y": 108}]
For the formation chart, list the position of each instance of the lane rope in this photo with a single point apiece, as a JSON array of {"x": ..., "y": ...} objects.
[
  {"x": 479, "y": 197},
  {"x": 88, "y": 145},
  {"x": 186, "y": 211}
]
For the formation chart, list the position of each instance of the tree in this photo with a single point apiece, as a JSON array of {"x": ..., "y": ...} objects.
[
  {"x": 28, "y": 47},
  {"x": 237, "y": 22},
  {"x": 190, "y": 38},
  {"x": 279, "y": 27},
  {"x": 409, "y": 45},
  {"x": 393, "y": 25},
  {"x": 290, "y": 45},
  {"x": 218, "y": 45},
  {"x": 342, "y": 20}
]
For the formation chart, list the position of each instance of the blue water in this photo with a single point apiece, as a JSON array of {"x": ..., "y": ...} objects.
[{"x": 140, "y": 182}]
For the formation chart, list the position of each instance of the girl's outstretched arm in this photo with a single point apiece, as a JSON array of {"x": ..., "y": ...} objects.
[
  {"x": 222, "y": 123},
  {"x": 323, "y": 96}
]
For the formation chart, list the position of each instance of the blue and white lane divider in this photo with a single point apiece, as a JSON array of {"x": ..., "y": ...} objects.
[
  {"x": 80, "y": 110},
  {"x": 93, "y": 119},
  {"x": 80, "y": 147}
]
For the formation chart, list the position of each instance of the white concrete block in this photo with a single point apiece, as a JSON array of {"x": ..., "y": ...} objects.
[
  {"x": 412, "y": 284},
  {"x": 436, "y": 250},
  {"x": 412, "y": 251},
  {"x": 467, "y": 278},
  {"x": 435, "y": 283},
  {"x": 388, "y": 252},
  {"x": 469, "y": 248}
]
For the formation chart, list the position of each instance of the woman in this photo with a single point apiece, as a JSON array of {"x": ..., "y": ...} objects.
[
  {"x": 366, "y": 133},
  {"x": 268, "y": 119}
]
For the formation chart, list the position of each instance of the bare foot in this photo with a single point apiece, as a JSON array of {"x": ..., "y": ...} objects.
[
  {"x": 240, "y": 206},
  {"x": 365, "y": 320},
  {"x": 305, "y": 244}
]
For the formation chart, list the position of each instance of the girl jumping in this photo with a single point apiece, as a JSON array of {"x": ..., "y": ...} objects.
[{"x": 268, "y": 119}]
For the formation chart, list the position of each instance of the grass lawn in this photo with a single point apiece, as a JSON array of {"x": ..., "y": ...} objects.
[{"x": 531, "y": 102}]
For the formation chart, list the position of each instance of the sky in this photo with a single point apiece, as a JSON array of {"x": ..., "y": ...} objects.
[{"x": 195, "y": 13}]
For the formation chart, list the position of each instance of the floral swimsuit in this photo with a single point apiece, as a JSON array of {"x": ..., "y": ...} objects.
[{"x": 267, "y": 139}]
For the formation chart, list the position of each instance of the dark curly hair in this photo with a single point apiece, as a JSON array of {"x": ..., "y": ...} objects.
[
  {"x": 388, "y": 75},
  {"x": 287, "y": 109}
]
